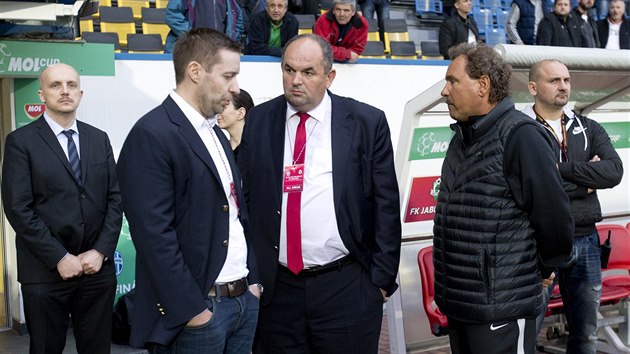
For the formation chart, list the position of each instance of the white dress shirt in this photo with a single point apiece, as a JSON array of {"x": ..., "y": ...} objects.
[
  {"x": 321, "y": 242},
  {"x": 62, "y": 138},
  {"x": 235, "y": 266}
]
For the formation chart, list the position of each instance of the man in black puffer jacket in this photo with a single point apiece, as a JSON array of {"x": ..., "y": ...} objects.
[
  {"x": 502, "y": 221},
  {"x": 587, "y": 161}
]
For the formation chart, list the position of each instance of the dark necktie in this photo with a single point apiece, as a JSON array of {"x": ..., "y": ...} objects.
[
  {"x": 73, "y": 155},
  {"x": 294, "y": 200}
]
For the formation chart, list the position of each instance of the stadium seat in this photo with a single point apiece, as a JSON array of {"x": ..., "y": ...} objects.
[
  {"x": 86, "y": 24},
  {"x": 102, "y": 37},
  {"x": 619, "y": 255},
  {"x": 430, "y": 50},
  {"x": 394, "y": 30},
  {"x": 495, "y": 36},
  {"x": 374, "y": 49},
  {"x": 403, "y": 50},
  {"x": 306, "y": 23},
  {"x": 161, "y": 4},
  {"x": 373, "y": 34},
  {"x": 325, "y": 5},
  {"x": 145, "y": 43},
  {"x": 424, "y": 7},
  {"x": 502, "y": 16},
  {"x": 437, "y": 321},
  {"x": 135, "y": 5},
  {"x": 154, "y": 22},
  {"x": 119, "y": 20},
  {"x": 483, "y": 17}
]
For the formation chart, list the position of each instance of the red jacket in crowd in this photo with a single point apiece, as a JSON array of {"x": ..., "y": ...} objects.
[{"x": 354, "y": 41}]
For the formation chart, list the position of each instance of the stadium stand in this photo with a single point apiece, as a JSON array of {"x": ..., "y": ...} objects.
[
  {"x": 135, "y": 5},
  {"x": 394, "y": 30},
  {"x": 145, "y": 43},
  {"x": 154, "y": 22},
  {"x": 373, "y": 34},
  {"x": 403, "y": 50},
  {"x": 374, "y": 49},
  {"x": 119, "y": 20}
]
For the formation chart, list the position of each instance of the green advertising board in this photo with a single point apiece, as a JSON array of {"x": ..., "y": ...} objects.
[
  {"x": 430, "y": 143},
  {"x": 619, "y": 133},
  {"x": 29, "y": 58}
]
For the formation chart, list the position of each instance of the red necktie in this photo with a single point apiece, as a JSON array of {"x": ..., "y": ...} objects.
[{"x": 294, "y": 200}]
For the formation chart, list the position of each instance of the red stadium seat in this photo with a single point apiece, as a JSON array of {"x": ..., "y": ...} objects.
[
  {"x": 437, "y": 320},
  {"x": 619, "y": 255}
]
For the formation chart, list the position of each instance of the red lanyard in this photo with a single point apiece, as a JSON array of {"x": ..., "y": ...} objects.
[{"x": 564, "y": 150}]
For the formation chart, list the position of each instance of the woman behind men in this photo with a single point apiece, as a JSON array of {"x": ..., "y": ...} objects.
[
  {"x": 233, "y": 118},
  {"x": 459, "y": 28}
]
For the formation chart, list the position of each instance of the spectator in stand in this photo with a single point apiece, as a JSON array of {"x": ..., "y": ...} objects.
[
  {"x": 586, "y": 23},
  {"x": 614, "y": 31},
  {"x": 225, "y": 16},
  {"x": 271, "y": 29},
  {"x": 459, "y": 28},
  {"x": 232, "y": 118},
  {"x": 523, "y": 19},
  {"x": 556, "y": 29},
  {"x": 381, "y": 7},
  {"x": 344, "y": 29}
]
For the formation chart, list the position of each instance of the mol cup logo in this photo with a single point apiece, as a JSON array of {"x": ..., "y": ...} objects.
[
  {"x": 10, "y": 63},
  {"x": 34, "y": 110},
  {"x": 118, "y": 262},
  {"x": 429, "y": 143},
  {"x": 422, "y": 198}
]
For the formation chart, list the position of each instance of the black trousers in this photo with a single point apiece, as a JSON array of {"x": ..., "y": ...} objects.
[
  {"x": 89, "y": 299},
  {"x": 335, "y": 312},
  {"x": 508, "y": 337}
]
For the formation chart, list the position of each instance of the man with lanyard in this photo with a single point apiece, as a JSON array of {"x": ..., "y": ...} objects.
[{"x": 587, "y": 161}]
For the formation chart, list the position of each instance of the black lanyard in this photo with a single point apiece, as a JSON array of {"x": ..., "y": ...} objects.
[{"x": 564, "y": 151}]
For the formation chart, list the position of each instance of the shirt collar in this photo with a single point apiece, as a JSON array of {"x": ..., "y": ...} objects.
[
  {"x": 196, "y": 119},
  {"x": 56, "y": 128},
  {"x": 319, "y": 113}
]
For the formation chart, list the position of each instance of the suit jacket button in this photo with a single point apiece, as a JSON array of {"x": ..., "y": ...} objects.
[
  {"x": 82, "y": 195},
  {"x": 225, "y": 243},
  {"x": 275, "y": 248},
  {"x": 225, "y": 208}
]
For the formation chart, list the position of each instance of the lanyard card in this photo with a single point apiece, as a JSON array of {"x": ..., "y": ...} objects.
[{"x": 293, "y": 178}]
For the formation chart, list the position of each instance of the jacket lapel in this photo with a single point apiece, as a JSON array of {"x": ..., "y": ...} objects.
[
  {"x": 276, "y": 141},
  {"x": 190, "y": 135},
  {"x": 51, "y": 140},
  {"x": 342, "y": 134},
  {"x": 84, "y": 143}
]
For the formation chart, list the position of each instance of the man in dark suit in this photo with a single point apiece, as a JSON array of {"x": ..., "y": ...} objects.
[
  {"x": 60, "y": 194},
  {"x": 196, "y": 282},
  {"x": 319, "y": 179}
]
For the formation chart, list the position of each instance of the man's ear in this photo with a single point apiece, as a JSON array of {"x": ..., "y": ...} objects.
[
  {"x": 531, "y": 87},
  {"x": 193, "y": 71},
  {"x": 484, "y": 85}
]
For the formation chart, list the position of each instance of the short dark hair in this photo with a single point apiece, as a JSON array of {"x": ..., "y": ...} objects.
[
  {"x": 242, "y": 100},
  {"x": 327, "y": 54},
  {"x": 483, "y": 60},
  {"x": 201, "y": 45}
]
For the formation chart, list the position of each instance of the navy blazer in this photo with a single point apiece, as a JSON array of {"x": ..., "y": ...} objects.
[
  {"x": 366, "y": 195},
  {"x": 50, "y": 212},
  {"x": 178, "y": 217}
]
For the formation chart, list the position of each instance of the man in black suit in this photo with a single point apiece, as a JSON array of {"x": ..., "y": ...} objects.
[
  {"x": 319, "y": 179},
  {"x": 60, "y": 194},
  {"x": 196, "y": 282}
]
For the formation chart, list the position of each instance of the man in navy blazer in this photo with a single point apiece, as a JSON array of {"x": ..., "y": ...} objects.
[
  {"x": 60, "y": 193},
  {"x": 196, "y": 276},
  {"x": 349, "y": 215}
]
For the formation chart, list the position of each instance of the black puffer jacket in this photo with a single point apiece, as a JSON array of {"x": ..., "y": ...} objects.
[{"x": 485, "y": 246}]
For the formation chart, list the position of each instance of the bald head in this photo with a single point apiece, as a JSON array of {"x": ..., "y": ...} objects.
[{"x": 60, "y": 90}]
